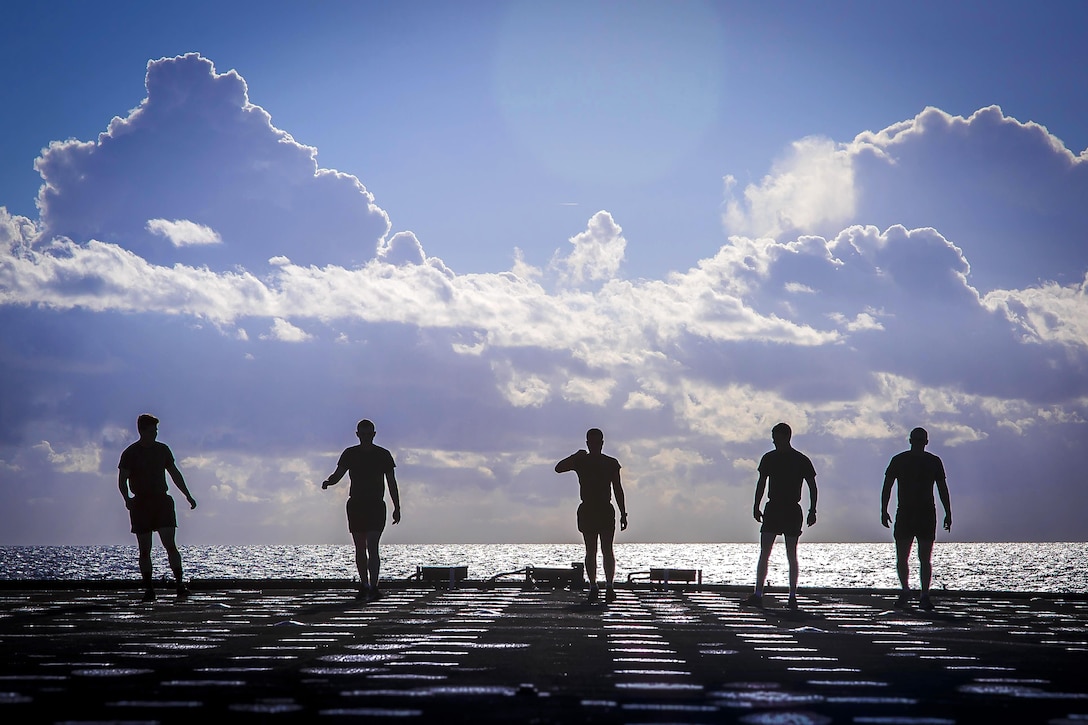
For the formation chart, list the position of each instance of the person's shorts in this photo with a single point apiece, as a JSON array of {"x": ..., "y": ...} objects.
[
  {"x": 921, "y": 525},
  {"x": 782, "y": 519},
  {"x": 595, "y": 518},
  {"x": 364, "y": 516},
  {"x": 151, "y": 514}
]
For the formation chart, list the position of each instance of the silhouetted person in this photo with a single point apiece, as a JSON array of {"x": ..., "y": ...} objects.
[
  {"x": 598, "y": 477},
  {"x": 142, "y": 469},
  {"x": 916, "y": 471},
  {"x": 785, "y": 468},
  {"x": 370, "y": 469}
]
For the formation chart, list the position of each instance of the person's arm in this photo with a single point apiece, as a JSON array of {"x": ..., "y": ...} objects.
[
  {"x": 567, "y": 464},
  {"x": 761, "y": 486},
  {"x": 122, "y": 483},
  {"x": 811, "y": 499},
  {"x": 617, "y": 488},
  {"x": 885, "y": 498},
  {"x": 335, "y": 477},
  {"x": 942, "y": 491},
  {"x": 394, "y": 494},
  {"x": 179, "y": 481}
]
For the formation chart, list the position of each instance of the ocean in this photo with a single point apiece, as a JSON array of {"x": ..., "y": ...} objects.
[{"x": 1020, "y": 567}]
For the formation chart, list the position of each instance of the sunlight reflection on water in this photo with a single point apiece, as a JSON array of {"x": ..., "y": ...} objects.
[{"x": 1048, "y": 567}]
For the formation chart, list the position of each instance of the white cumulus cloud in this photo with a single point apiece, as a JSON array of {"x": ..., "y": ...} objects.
[{"x": 183, "y": 233}]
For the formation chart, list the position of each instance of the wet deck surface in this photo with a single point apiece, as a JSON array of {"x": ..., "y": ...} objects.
[{"x": 504, "y": 654}]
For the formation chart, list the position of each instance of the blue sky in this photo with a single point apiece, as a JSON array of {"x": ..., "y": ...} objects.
[{"x": 490, "y": 226}]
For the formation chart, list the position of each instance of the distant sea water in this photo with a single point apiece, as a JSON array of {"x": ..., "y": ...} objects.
[{"x": 1021, "y": 567}]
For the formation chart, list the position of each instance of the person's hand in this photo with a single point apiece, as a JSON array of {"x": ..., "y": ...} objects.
[
  {"x": 948, "y": 522},
  {"x": 192, "y": 503},
  {"x": 325, "y": 484},
  {"x": 812, "y": 517},
  {"x": 582, "y": 452},
  {"x": 623, "y": 521},
  {"x": 757, "y": 514},
  {"x": 886, "y": 520},
  {"x": 396, "y": 515}
]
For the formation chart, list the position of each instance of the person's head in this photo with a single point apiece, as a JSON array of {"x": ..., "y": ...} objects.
[
  {"x": 595, "y": 439},
  {"x": 781, "y": 434},
  {"x": 148, "y": 426},
  {"x": 919, "y": 437},
  {"x": 365, "y": 431}
]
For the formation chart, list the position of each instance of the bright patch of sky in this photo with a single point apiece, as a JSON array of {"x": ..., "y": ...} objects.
[{"x": 488, "y": 227}]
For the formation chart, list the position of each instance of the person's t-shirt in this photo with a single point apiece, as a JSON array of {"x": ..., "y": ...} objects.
[
  {"x": 146, "y": 466},
  {"x": 367, "y": 466},
  {"x": 596, "y": 472},
  {"x": 786, "y": 470},
  {"x": 916, "y": 473}
]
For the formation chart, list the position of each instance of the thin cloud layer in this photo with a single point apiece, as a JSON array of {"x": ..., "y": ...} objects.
[{"x": 196, "y": 261}]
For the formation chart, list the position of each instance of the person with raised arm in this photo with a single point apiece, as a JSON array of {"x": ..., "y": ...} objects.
[
  {"x": 370, "y": 470},
  {"x": 598, "y": 479}
]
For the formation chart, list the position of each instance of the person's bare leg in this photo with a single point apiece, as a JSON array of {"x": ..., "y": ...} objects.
[
  {"x": 766, "y": 544},
  {"x": 144, "y": 542},
  {"x": 591, "y": 559},
  {"x": 902, "y": 562},
  {"x": 168, "y": 539},
  {"x": 925, "y": 564},
  {"x": 795, "y": 569},
  {"x": 374, "y": 561},
  {"x": 608, "y": 556},
  {"x": 361, "y": 561},
  {"x": 902, "y": 566}
]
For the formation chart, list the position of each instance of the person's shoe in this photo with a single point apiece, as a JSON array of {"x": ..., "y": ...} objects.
[
  {"x": 363, "y": 594},
  {"x": 593, "y": 594},
  {"x": 753, "y": 600},
  {"x": 903, "y": 601},
  {"x": 374, "y": 594},
  {"x": 183, "y": 591},
  {"x": 792, "y": 604},
  {"x": 925, "y": 602},
  {"x": 149, "y": 595},
  {"x": 610, "y": 594}
]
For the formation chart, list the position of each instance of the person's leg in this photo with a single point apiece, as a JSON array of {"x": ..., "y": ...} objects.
[
  {"x": 925, "y": 564},
  {"x": 168, "y": 537},
  {"x": 374, "y": 561},
  {"x": 143, "y": 540},
  {"x": 903, "y": 545},
  {"x": 791, "y": 557},
  {"x": 361, "y": 560},
  {"x": 766, "y": 544},
  {"x": 591, "y": 558},
  {"x": 608, "y": 558}
]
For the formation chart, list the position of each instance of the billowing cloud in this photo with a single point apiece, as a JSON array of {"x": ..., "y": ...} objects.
[
  {"x": 597, "y": 253},
  {"x": 197, "y": 149},
  {"x": 810, "y": 190},
  {"x": 182, "y": 232},
  {"x": 855, "y": 297},
  {"x": 941, "y": 171}
]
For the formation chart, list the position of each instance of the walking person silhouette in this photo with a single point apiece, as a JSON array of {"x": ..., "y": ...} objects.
[
  {"x": 370, "y": 470},
  {"x": 917, "y": 471},
  {"x": 141, "y": 477},
  {"x": 785, "y": 469},
  {"x": 598, "y": 479}
]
